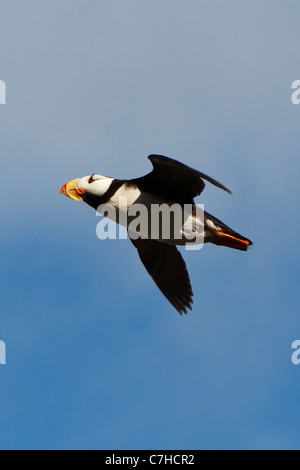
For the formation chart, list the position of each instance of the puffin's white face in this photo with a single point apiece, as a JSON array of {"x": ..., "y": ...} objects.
[{"x": 97, "y": 185}]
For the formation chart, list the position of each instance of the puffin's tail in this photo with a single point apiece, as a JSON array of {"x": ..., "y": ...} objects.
[{"x": 225, "y": 236}]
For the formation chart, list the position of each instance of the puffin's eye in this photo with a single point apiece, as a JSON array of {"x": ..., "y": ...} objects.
[{"x": 91, "y": 180}]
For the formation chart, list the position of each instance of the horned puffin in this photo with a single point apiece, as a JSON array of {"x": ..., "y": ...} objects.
[{"x": 170, "y": 182}]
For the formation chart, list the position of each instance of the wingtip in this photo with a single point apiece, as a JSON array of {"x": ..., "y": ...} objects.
[{"x": 183, "y": 310}]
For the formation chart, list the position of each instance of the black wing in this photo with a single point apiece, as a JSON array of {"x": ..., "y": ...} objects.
[
  {"x": 174, "y": 180},
  {"x": 168, "y": 270}
]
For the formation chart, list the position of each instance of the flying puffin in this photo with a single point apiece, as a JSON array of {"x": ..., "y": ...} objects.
[{"x": 170, "y": 182}]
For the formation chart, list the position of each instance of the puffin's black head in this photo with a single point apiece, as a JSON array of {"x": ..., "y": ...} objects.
[{"x": 89, "y": 189}]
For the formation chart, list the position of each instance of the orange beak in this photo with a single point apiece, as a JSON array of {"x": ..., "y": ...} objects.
[{"x": 72, "y": 191}]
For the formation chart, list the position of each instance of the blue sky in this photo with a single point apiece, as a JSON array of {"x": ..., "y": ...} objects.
[{"x": 96, "y": 357}]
